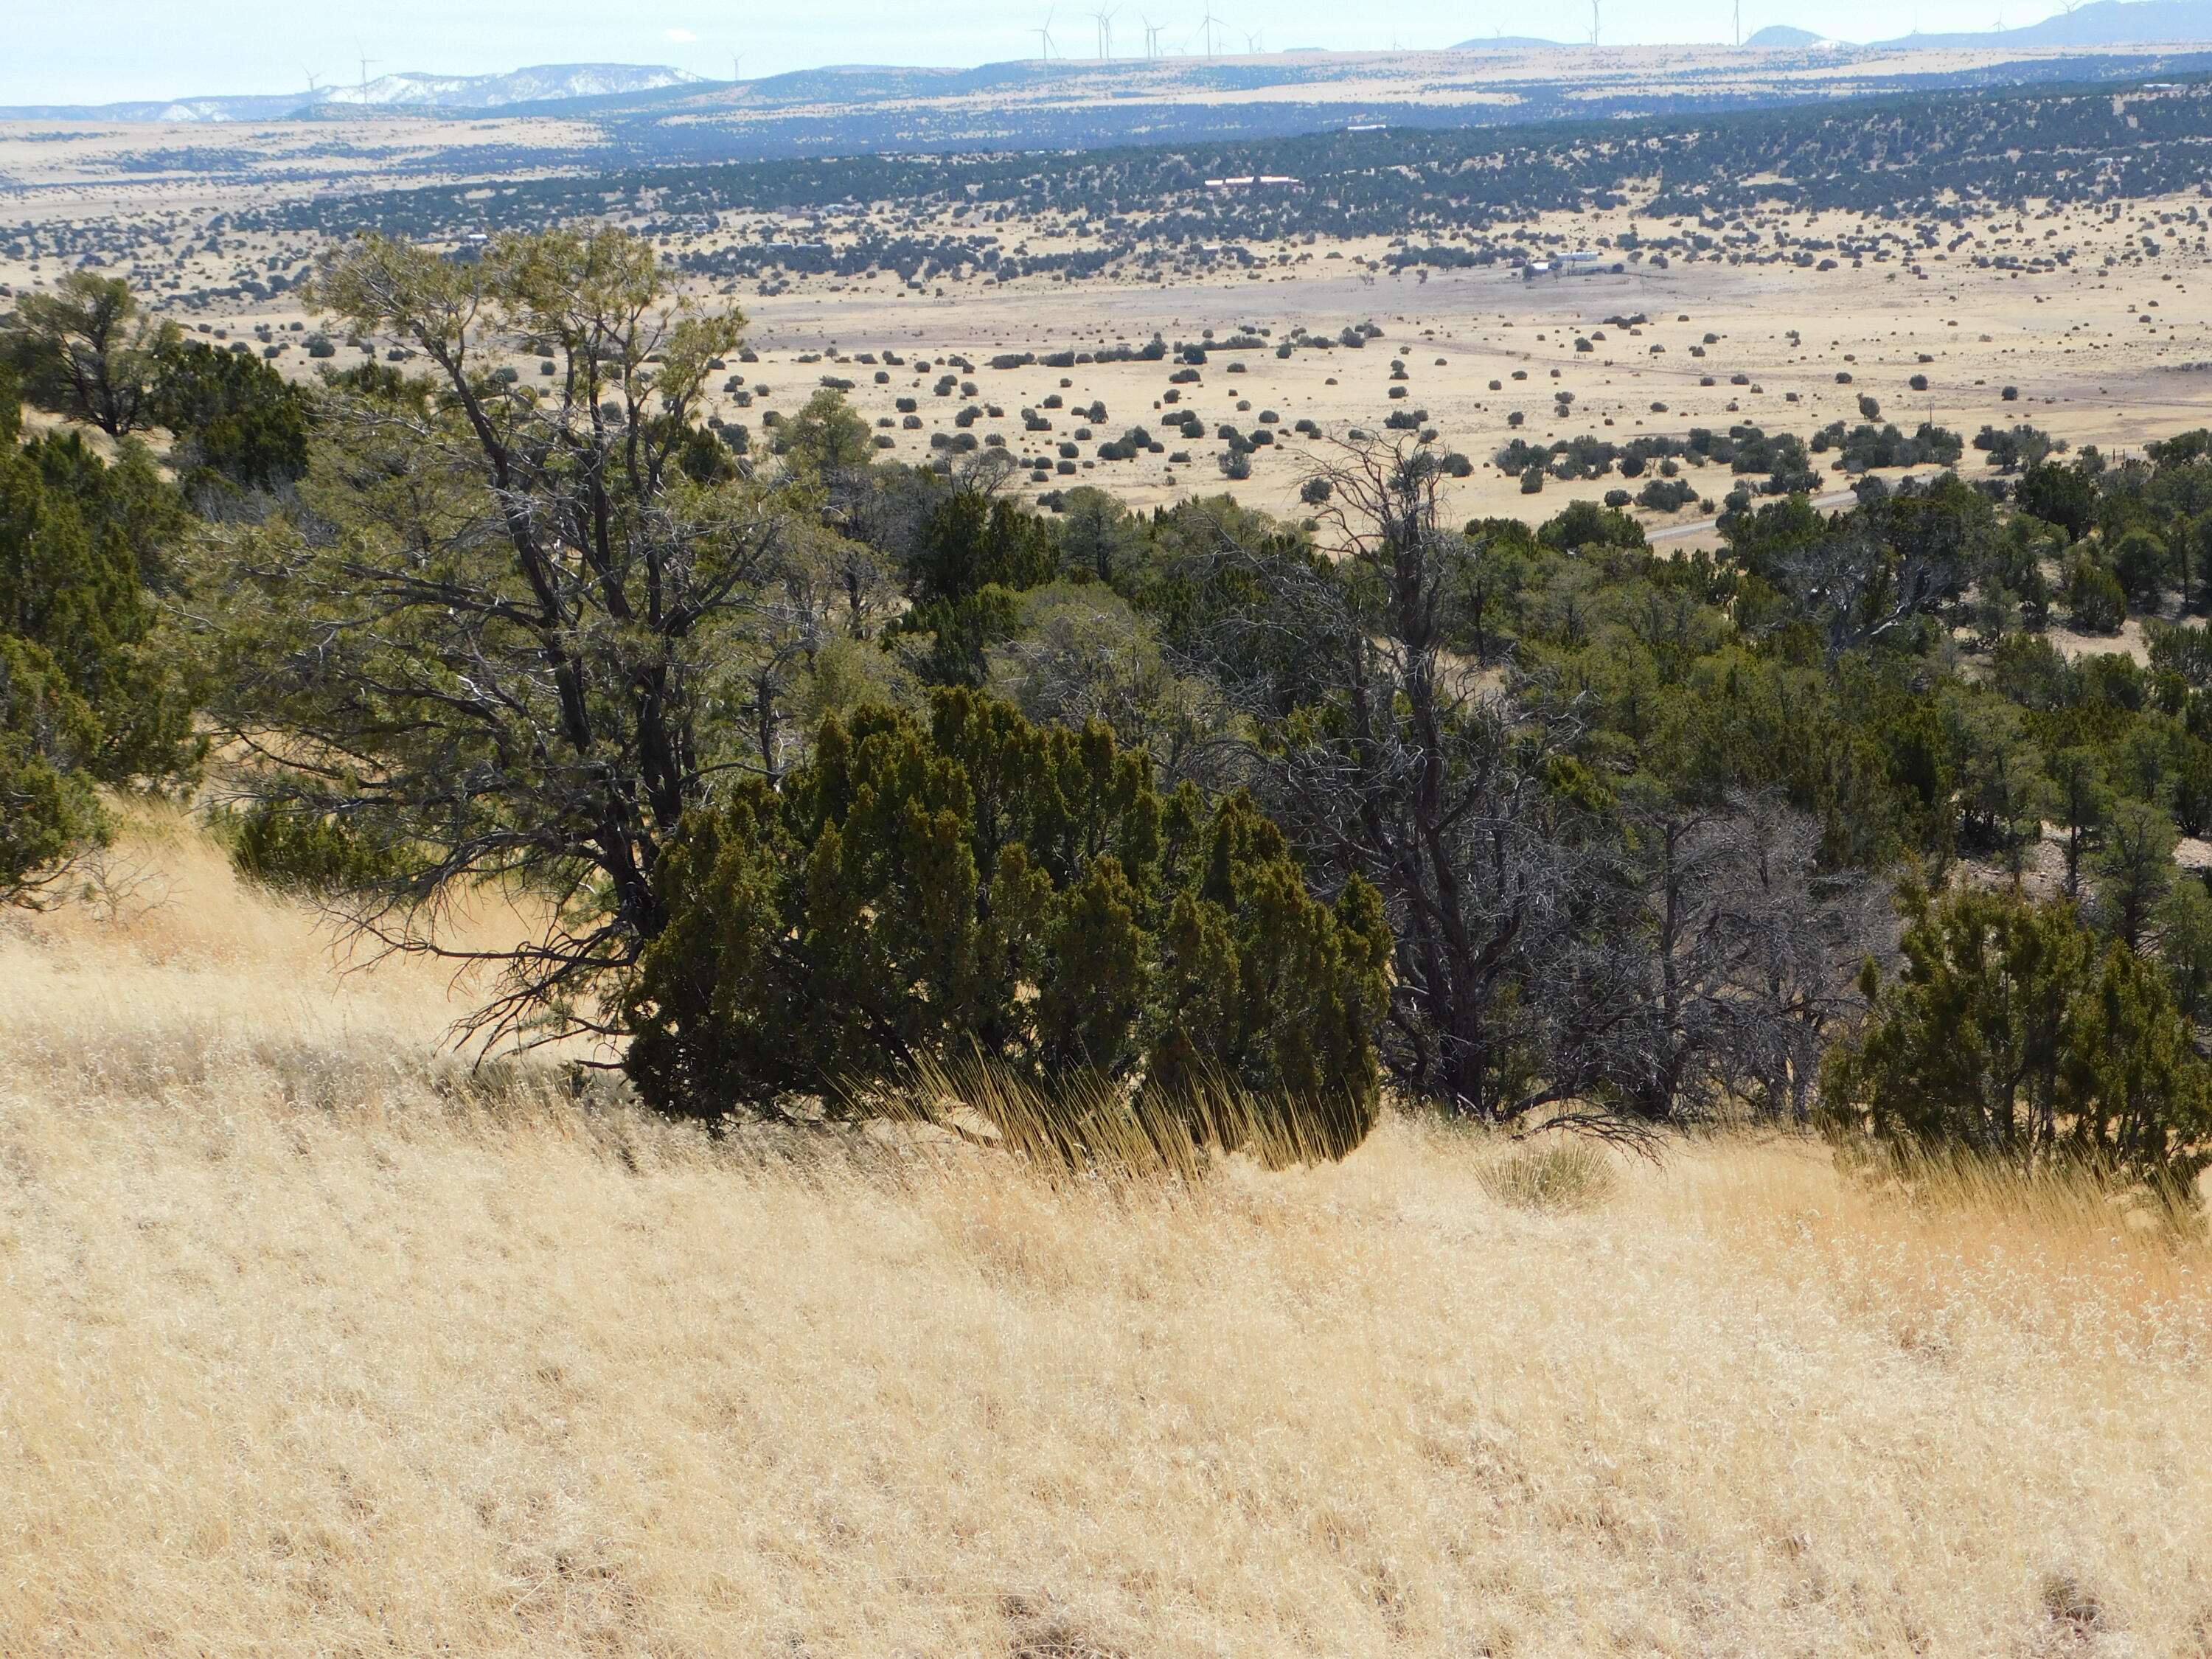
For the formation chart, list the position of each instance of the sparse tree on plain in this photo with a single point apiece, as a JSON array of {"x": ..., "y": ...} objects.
[{"x": 87, "y": 352}]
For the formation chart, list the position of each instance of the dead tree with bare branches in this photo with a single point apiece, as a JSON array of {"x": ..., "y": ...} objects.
[{"x": 1570, "y": 948}]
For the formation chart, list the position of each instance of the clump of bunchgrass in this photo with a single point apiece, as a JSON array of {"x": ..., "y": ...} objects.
[
  {"x": 1100, "y": 1126},
  {"x": 1564, "y": 1176}
]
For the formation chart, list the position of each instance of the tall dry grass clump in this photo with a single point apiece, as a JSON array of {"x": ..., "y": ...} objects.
[
  {"x": 310, "y": 1342},
  {"x": 1098, "y": 1126}
]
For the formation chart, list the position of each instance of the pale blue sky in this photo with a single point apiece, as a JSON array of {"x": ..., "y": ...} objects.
[{"x": 105, "y": 50}]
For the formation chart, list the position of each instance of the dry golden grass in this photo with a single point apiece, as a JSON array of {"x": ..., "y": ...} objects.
[{"x": 309, "y": 1346}]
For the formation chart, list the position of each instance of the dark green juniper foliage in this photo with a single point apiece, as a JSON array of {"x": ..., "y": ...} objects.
[
  {"x": 282, "y": 847},
  {"x": 236, "y": 419},
  {"x": 976, "y": 551},
  {"x": 86, "y": 697},
  {"x": 979, "y": 886},
  {"x": 1601, "y": 832},
  {"x": 1631, "y": 880},
  {"x": 2015, "y": 1032}
]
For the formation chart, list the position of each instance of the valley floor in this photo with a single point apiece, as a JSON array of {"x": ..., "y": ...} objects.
[
  {"x": 2107, "y": 348},
  {"x": 310, "y": 1343}
]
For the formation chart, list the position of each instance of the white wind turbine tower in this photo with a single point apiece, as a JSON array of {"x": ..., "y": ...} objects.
[
  {"x": 1209, "y": 23},
  {"x": 1151, "y": 37},
  {"x": 1044, "y": 37},
  {"x": 1594, "y": 21},
  {"x": 1104, "y": 19},
  {"x": 1254, "y": 43}
]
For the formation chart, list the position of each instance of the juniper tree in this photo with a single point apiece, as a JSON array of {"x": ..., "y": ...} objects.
[
  {"x": 485, "y": 640},
  {"x": 86, "y": 351},
  {"x": 87, "y": 696},
  {"x": 983, "y": 886},
  {"x": 2012, "y": 1031}
]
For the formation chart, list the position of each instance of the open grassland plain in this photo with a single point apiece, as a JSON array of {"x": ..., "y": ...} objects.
[
  {"x": 312, "y": 1342},
  {"x": 2111, "y": 347}
]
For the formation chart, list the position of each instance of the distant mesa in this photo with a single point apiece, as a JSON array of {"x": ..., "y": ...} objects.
[
  {"x": 538, "y": 84},
  {"x": 1509, "y": 43},
  {"x": 542, "y": 84},
  {"x": 2103, "y": 23},
  {"x": 1781, "y": 37}
]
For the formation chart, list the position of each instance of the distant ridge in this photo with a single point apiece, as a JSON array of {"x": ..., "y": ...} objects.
[
  {"x": 1783, "y": 37},
  {"x": 545, "y": 83},
  {"x": 2103, "y": 23},
  {"x": 541, "y": 84},
  {"x": 1507, "y": 42}
]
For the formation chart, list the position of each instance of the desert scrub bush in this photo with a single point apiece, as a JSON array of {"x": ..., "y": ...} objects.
[
  {"x": 1571, "y": 1175},
  {"x": 2093, "y": 594},
  {"x": 981, "y": 886}
]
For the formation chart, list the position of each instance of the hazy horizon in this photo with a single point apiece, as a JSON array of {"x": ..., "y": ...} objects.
[{"x": 198, "y": 48}]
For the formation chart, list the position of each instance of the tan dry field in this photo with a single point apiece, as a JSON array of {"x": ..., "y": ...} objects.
[
  {"x": 2109, "y": 382},
  {"x": 309, "y": 1344},
  {"x": 2117, "y": 356}
]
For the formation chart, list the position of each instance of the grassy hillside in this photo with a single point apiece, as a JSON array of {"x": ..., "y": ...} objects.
[{"x": 311, "y": 1344}]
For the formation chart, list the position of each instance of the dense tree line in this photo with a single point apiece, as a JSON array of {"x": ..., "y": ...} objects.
[
  {"x": 825, "y": 767},
  {"x": 90, "y": 695},
  {"x": 1926, "y": 160},
  {"x": 87, "y": 698}
]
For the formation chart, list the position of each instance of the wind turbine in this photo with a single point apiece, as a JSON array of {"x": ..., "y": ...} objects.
[
  {"x": 1593, "y": 22},
  {"x": 1044, "y": 37},
  {"x": 1152, "y": 36},
  {"x": 365, "y": 62},
  {"x": 1253, "y": 47},
  {"x": 1104, "y": 19},
  {"x": 1739, "y": 22},
  {"x": 313, "y": 76},
  {"x": 737, "y": 67},
  {"x": 1209, "y": 23}
]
